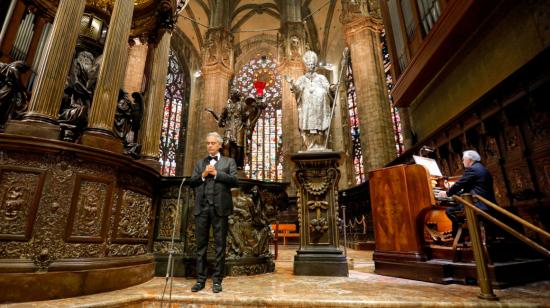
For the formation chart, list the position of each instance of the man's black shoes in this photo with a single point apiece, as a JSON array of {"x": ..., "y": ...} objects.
[
  {"x": 197, "y": 287},
  {"x": 217, "y": 287}
]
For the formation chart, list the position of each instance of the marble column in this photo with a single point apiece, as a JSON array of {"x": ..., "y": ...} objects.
[
  {"x": 41, "y": 119},
  {"x": 149, "y": 135},
  {"x": 362, "y": 34},
  {"x": 111, "y": 73}
]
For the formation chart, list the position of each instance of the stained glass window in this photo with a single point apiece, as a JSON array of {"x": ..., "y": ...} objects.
[
  {"x": 358, "y": 167},
  {"x": 174, "y": 122},
  {"x": 264, "y": 160},
  {"x": 396, "y": 121}
]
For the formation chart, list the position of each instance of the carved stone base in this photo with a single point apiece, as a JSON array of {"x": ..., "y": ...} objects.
[
  {"x": 101, "y": 141},
  {"x": 52, "y": 285},
  {"x": 33, "y": 129},
  {"x": 316, "y": 263},
  {"x": 317, "y": 178}
]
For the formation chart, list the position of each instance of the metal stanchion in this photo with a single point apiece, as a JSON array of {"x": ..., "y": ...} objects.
[
  {"x": 481, "y": 264},
  {"x": 344, "y": 228}
]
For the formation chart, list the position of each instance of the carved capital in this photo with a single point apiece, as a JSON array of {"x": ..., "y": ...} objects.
[
  {"x": 357, "y": 27},
  {"x": 293, "y": 44},
  {"x": 218, "y": 48},
  {"x": 217, "y": 70},
  {"x": 359, "y": 8}
]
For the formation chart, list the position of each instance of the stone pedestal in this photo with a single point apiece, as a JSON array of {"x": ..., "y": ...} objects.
[{"x": 316, "y": 178}]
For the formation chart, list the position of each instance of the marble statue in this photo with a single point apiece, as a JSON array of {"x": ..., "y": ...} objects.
[{"x": 312, "y": 92}]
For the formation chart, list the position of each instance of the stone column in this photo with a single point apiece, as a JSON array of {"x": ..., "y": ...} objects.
[
  {"x": 362, "y": 34},
  {"x": 292, "y": 142},
  {"x": 291, "y": 49},
  {"x": 111, "y": 73},
  {"x": 217, "y": 70},
  {"x": 317, "y": 179},
  {"x": 341, "y": 139},
  {"x": 406, "y": 128},
  {"x": 41, "y": 119},
  {"x": 149, "y": 135},
  {"x": 193, "y": 139}
]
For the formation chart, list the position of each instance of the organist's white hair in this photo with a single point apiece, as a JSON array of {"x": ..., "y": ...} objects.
[{"x": 473, "y": 155}]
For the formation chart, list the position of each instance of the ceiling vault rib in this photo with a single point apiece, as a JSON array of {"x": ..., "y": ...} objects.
[
  {"x": 249, "y": 15},
  {"x": 204, "y": 7},
  {"x": 254, "y": 7},
  {"x": 195, "y": 26}
]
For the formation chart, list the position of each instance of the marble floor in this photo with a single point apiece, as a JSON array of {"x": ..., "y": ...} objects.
[{"x": 362, "y": 288}]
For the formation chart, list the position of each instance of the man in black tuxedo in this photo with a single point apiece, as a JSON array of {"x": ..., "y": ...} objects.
[
  {"x": 476, "y": 180},
  {"x": 213, "y": 178}
]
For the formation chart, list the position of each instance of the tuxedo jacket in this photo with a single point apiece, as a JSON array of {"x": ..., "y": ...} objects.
[
  {"x": 226, "y": 178},
  {"x": 476, "y": 180}
]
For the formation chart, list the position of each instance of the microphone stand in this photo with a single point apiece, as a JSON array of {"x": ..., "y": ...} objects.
[{"x": 170, "y": 263}]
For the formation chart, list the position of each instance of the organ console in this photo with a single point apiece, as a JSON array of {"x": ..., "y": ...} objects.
[{"x": 413, "y": 234}]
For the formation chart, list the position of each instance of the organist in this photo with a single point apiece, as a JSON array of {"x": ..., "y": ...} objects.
[{"x": 476, "y": 180}]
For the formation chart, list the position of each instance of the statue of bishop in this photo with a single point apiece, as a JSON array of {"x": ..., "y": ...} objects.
[{"x": 312, "y": 92}]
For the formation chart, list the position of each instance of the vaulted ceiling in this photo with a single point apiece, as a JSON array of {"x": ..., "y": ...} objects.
[{"x": 252, "y": 18}]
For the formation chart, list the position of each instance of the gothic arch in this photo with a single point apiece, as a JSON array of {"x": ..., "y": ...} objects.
[{"x": 246, "y": 50}]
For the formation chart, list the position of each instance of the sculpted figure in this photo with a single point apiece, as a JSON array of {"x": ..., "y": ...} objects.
[
  {"x": 238, "y": 118},
  {"x": 312, "y": 92},
  {"x": 13, "y": 97},
  {"x": 249, "y": 231},
  {"x": 127, "y": 122},
  {"x": 73, "y": 114}
]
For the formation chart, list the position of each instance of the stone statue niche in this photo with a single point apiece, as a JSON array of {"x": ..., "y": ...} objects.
[
  {"x": 128, "y": 117},
  {"x": 238, "y": 118},
  {"x": 314, "y": 98},
  {"x": 78, "y": 94},
  {"x": 13, "y": 96}
]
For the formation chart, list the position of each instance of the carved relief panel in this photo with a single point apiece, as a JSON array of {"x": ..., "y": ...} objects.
[
  {"x": 167, "y": 214},
  {"x": 20, "y": 191},
  {"x": 91, "y": 201},
  {"x": 133, "y": 217}
]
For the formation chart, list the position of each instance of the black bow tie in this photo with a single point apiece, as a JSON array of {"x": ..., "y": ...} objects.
[{"x": 212, "y": 158}]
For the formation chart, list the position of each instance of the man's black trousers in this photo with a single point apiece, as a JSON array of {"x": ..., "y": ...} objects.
[{"x": 203, "y": 221}]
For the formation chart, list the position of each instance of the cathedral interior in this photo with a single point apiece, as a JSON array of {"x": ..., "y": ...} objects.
[{"x": 104, "y": 109}]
